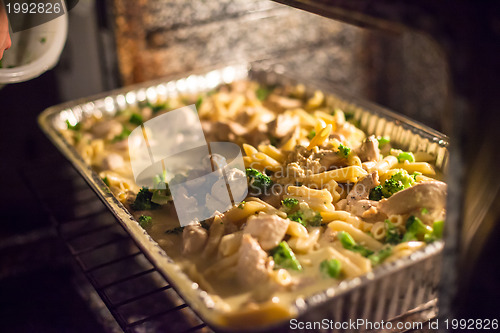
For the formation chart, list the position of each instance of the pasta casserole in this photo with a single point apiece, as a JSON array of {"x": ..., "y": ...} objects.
[{"x": 326, "y": 202}]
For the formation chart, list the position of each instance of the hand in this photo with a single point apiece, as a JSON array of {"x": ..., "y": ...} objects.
[{"x": 5, "y": 41}]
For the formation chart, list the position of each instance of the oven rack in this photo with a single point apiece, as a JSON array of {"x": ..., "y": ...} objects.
[
  {"x": 116, "y": 273},
  {"x": 137, "y": 296}
]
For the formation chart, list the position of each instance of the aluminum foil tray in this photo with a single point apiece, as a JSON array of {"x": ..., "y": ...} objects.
[{"x": 391, "y": 290}]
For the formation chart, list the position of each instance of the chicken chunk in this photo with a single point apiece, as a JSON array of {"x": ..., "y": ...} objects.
[
  {"x": 329, "y": 158},
  {"x": 305, "y": 159},
  {"x": 283, "y": 125},
  {"x": 284, "y": 103},
  {"x": 357, "y": 199},
  {"x": 269, "y": 230},
  {"x": 253, "y": 266},
  {"x": 194, "y": 238},
  {"x": 368, "y": 151},
  {"x": 430, "y": 195},
  {"x": 106, "y": 129},
  {"x": 361, "y": 190},
  {"x": 359, "y": 207},
  {"x": 223, "y": 131},
  {"x": 112, "y": 161}
]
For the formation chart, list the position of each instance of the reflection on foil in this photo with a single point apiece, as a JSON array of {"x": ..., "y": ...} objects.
[{"x": 203, "y": 179}]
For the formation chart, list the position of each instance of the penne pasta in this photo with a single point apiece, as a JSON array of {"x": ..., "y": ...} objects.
[
  {"x": 350, "y": 173},
  {"x": 422, "y": 167},
  {"x": 241, "y": 212},
  {"x": 378, "y": 231}
]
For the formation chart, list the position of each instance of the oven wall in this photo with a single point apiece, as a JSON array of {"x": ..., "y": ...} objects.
[{"x": 404, "y": 72}]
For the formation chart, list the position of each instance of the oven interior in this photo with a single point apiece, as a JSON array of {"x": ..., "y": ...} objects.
[{"x": 68, "y": 266}]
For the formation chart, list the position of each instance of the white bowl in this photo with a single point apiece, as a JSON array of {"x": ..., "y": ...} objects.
[{"x": 34, "y": 51}]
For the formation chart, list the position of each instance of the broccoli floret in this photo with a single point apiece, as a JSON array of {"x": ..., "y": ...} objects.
[
  {"x": 290, "y": 203},
  {"x": 274, "y": 141},
  {"x": 415, "y": 229},
  {"x": 157, "y": 107},
  {"x": 258, "y": 182},
  {"x": 330, "y": 268},
  {"x": 396, "y": 183},
  {"x": 437, "y": 232},
  {"x": 316, "y": 220},
  {"x": 298, "y": 216},
  {"x": 135, "y": 119},
  {"x": 346, "y": 240},
  {"x": 350, "y": 244},
  {"x": 306, "y": 217},
  {"x": 437, "y": 229},
  {"x": 145, "y": 221},
  {"x": 284, "y": 257},
  {"x": 143, "y": 200},
  {"x": 390, "y": 187},
  {"x": 392, "y": 234},
  {"x": 199, "y": 101},
  {"x": 404, "y": 178},
  {"x": 122, "y": 136},
  {"x": 343, "y": 151},
  {"x": 376, "y": 193}
]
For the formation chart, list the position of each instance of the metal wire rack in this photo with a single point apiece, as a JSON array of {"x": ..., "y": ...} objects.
[
  {"x": 137, "y": 296},
  {"x": 135, "y": 293}
]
